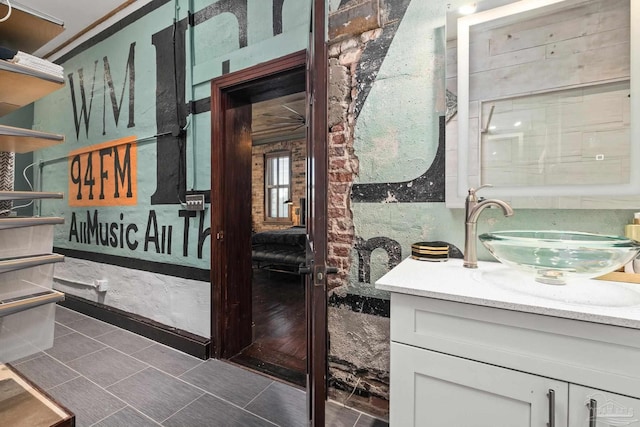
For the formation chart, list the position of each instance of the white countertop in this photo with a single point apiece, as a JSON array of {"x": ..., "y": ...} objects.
[{"x": 494, "y": 285}]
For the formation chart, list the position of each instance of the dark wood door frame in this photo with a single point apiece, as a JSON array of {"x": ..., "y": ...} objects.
[
  {"x": 230, "y": 94},
  {"x": 317, "y": 170}
]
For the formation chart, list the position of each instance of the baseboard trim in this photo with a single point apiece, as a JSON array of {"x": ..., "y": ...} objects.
[{"x": 184, "y": 341}]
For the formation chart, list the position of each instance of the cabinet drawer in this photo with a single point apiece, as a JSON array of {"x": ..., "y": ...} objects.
[
  {"x": 26, "y": 332},
  {"x": 592, "y": 407},
  {"x": 603, "y": 356},
  {"x": 434, "y": 389},
  {"x": 28, "y": 236},
  {"x": 12, "y": 282}
]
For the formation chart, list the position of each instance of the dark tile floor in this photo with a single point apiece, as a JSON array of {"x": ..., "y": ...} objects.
[{"x": 110, "y": 377}]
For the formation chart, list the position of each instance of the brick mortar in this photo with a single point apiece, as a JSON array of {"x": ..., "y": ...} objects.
[
  {"x": 343, "y": 162},
  {"x": 365, "y": 389}
]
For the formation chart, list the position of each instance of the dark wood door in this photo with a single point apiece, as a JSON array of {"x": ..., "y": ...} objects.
[
  {"x": 231, "y": 295},
  {"x": 317, "y": 217},
  {"x": 231, "y": 228},
  {"x": 231, "y": 99},
  {"x": 237, "y": 233}
]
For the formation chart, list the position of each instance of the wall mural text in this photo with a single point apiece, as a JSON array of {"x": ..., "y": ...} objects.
[
  {"x": 83, "y": 112},
  {"x": 95, "y": 228},
  {"x": 104, "y": 174}
]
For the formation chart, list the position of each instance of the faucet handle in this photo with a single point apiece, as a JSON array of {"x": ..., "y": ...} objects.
[{"x": 473, "y": 191}]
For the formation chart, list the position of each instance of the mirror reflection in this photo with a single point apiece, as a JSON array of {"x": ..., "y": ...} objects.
[{"x": 540, "y": 100}]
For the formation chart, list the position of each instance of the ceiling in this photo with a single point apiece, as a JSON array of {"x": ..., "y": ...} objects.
[
  {"x": 279, "y": 119},
  {"x": 76, "y": 16}
]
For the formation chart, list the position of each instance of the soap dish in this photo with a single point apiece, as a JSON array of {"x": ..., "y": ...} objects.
[{"x": 430, "y": 251}]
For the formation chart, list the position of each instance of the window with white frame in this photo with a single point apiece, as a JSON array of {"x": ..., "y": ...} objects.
[{"x": 277, "y": 182}]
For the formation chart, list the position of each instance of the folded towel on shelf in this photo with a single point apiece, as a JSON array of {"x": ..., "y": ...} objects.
[{"x": 39, "y": 64}]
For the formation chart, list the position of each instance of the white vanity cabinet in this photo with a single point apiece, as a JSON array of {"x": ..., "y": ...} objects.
[
  {"x": 465, "y": 354},
  {"x": 435, "y": 389},
  {"x": 602, "y": 408}
]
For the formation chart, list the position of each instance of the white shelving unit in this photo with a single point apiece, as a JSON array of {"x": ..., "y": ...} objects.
[{"x": 27, "y": 300}]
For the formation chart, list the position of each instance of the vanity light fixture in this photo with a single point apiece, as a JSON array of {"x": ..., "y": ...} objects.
[{"x": 467, "y": 9}]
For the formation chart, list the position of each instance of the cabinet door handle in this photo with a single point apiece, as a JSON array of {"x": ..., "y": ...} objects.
[
  {"x": 593, "y": 412},
  {"x": 552, "y": 408}
]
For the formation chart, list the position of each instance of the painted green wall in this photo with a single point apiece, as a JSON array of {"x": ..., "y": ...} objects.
[
  {"x": 396, "y": 137},
  {"x": 207, "y": 46}
]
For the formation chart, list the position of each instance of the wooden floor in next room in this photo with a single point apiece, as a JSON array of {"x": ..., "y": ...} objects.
[{"x": 279, "y": 345}]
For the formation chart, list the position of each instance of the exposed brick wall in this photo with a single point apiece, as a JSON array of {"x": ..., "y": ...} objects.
[
  {"x": 354, "y": 379},
  {"x": 342, "y": 170},
  {"x": 298, "y": 151}
]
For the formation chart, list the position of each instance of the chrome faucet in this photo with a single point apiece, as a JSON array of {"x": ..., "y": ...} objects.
[{"x": 473, "y": 208}]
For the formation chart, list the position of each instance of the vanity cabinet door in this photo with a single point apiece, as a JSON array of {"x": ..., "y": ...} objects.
[
  {"x": 434, "y": 389},
  {"x": 589, "y": 407}
]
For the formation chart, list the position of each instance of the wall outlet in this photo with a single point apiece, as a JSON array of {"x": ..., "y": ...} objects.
[
  {"x": 195, "y": 202},
  {"x": 102, "y": 285}
]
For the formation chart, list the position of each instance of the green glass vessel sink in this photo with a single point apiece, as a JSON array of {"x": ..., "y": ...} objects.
[{"x": 553, "y": 257}]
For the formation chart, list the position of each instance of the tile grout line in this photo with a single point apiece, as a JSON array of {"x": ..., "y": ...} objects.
[
  {"x": 29, "y": 359},
  {"x": 182, "y": 408},
  {"x": 197, "y": 387},
  {"x": 343, "y": 405},
  {"x": 162, "y": 370},
  {"x": 357, "y": 419},
  {"x": 63, "y": 335},
  {"x": 119, "y": 329},
  {"x": 129, "y": 376},
  {"x": 122, "y": 352},
  {"x": 118, "y": 350},
  {"x": 200, "y": 361},
  {"x": 64, "y": 382},
  {"x": 216, "y": 396},
  {"x": 137, "y": 351},
  {"x": 84, "y": 355},
  {"x": 142, "y": 413},
  {"x": 113, "y": 413},
  {"x": 106, "y": 346},
  {"x": 70, "y": 326},
  {"x": 257, "y": 395},
  {"x": 89, "y": 336},
  {"x": 80, "y": 375},
  {"x": 191, "y": 369},
  {"x": 116, "y": 328},
  {"x": 204, "y": 392}
]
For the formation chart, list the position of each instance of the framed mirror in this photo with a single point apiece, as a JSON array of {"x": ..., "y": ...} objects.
[{"x": 540, "y": 100}]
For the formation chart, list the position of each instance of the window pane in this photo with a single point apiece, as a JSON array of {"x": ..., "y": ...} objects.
[
  {"x": 277, "y": 182},
  {"x": 283, "y": 165},
  {"x": 273, "y": 202},
  {"x": 273, "y": 176}
]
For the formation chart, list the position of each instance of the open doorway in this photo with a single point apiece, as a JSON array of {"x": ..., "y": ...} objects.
[
  {"x": 278, "y": 241},
  {"x": 259, "y": 145}
]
